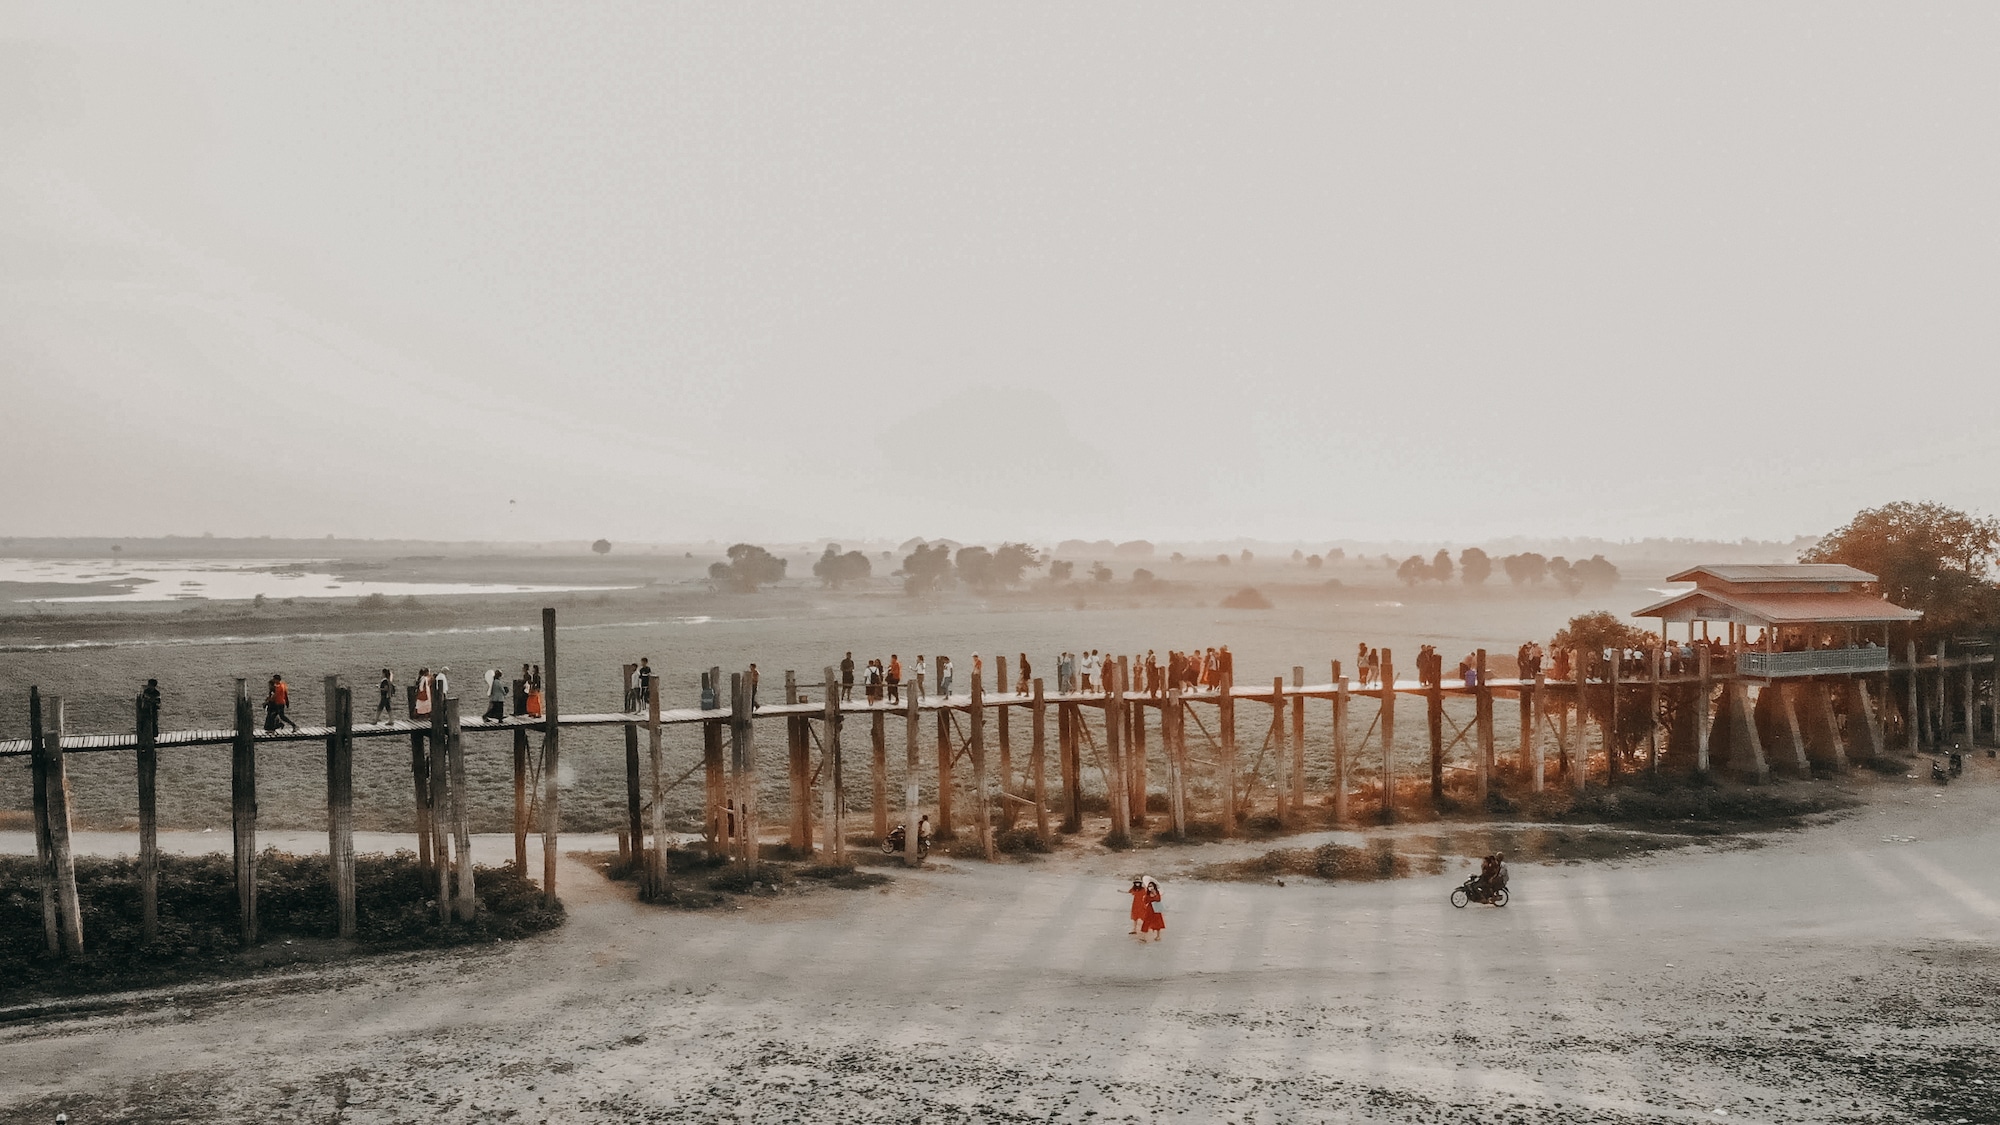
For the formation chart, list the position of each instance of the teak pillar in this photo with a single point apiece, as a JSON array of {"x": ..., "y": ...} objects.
[
  {"x": 1579, "y": 749},
  {"x": 1007, "y": 812},
  {"x": 1702, "y": 721},
  {"x": 149, "y": 820},
  {"x": 465, "y": 903},
  {"x": 62, "y": 908},
  {"x": 340, "y": 802},
  {"x": 715, "y": 783},
  {"x": 420, "y": 780},
  {"x": 1532, "y": 732},
  {"x": 656, "y": 859},
  {"x": 1298, "y": 739},
  {"x": 1225, "y": 709},
  {"x": 1037, "y": 754},
  {"x": 945, "y": 752},
  {"x": 743, "y": 769},
  {"x": 1340, "y": 782},
  {"x": 878, "y": 745},
  {"x": 551, "y": 759},
  {"x": 831, "y": 797},
  {"x": 913, "y": 811},
  {"x": 1434, "y": 723},
  {"x": 1119, "y": 797},
  {"x": 1388, "y": 728},
  {"x": 1173, "y": 736},
  {"x": 635, "y": 825},
  {"x": 798, "y": 750},
  {"x": 521, "y": 797},
  {"x": 243, "y": 813},
  {"x": 1482, "y": 718},
  {"x": 1070, "y": 766},
  {"x": 982, "y": 798}
]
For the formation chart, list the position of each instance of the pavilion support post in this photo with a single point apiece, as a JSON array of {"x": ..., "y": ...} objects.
[
  {"x": 1609, "y": 734},
  {"x": 982, "y": 798},
  {"x": 743, "y": 770},
  {"x": 1993, "y": 692},
  {"x": 1173, "y": 738},
  {"x": 1298, "y": 739},
  {"x": 1434, "y": 720},
  {"x": 1794, "y": 732},
  {"x": 243, "y": 813},
  {"x": 912, "y": 776},
  {"x": 878, "y": 745},
  {"x": 1037, "y": 761},
  {"x": 1388, "y": 730},
  {"x": 1225, "y": 705},
  {"x": 1531, "y": 734},
  {"x": 1114, "y": 752},
  {"x": 420, "y": 778},
  {"x": 1653, "y": 707},
  {"x": 551, "y": 759},
  {"x": 340, "y": 804},
  {"x": 1869, "y": 724},
  {"x": 829, "y": 758},
  {"x": 1969, "y": 704},
  {"x": 1913, "y": 721},
  {"x": 1340, "y": 763},
  {"x": 1941, "y": 724},
  {"x": 149, "y": 819},
  {"x": 1826, "y": 723},
  {"x": 1482, "y": 712},
  {"x": 656, "y": 858},
  {"x": 1702, "y": 693},
  {"x": 1746, "y": 746}
]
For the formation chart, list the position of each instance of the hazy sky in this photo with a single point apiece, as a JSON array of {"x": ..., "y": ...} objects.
[{"x": 737, "y": 270}]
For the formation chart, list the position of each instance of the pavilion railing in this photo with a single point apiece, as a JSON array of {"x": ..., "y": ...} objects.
[{"x": 1815, "y": 662}]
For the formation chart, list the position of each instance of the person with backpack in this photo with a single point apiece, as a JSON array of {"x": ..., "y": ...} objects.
[
  {"x": 385, "y": 697},
  {"x": 275, "y": 702}
]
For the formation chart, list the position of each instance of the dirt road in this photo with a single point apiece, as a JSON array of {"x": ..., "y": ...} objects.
[{"x": 1847, "y": 972}]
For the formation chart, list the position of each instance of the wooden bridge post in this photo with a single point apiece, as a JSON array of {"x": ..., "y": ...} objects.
[
  {"x": 243, "y": 812},
  {"x": 1173, "y": 737},
  {"x": 1388, "y": 728},
  {"x": 798, "y": 749},
  {"x": 656, "y": 859},
  {"x": 912, "y": 777},
  {"x": 464, "y": 900},
  {"x": 1340, "y": 782},
  {"x": 635, "y": 825},
  {"x": 1070, "y": 755},
  {"x": 62, "y": 909},
  {"x": 420, "y": 778},
  {"x": 1531, "y": 731},
  {"x": 149, "y": 820},
  {"x": 1702, "y": 722},
  {"x": 1434, "y": 720},
  {"x": 945, "y": 753},
  {"x": 340, "y": 803},
  {"x": 521, "y": 798},
  {"x": 982, "y": 798},
  {"x": 1119, "y": 798},
  {"x": 1282, "y": 791},
  {"x": 1225, "y": 721},
  {"x": 441, "y": 796},
  {"x": 1134, "y": 722},
  {"x": 551, "y": 759},
  {"x": 1579, "y": 750},
  {"x": 878, "y": 743},
  {"x": 743, "y": 770},
  {"x": 829, "y": 757},
  {"x": 1037, "y": 755},
  {"x": 715, "y": 786},
  {"x": 1482, "y": 718},
  {"x": 1007, "y": 814},
  {"x": 1298, "y": 739}
]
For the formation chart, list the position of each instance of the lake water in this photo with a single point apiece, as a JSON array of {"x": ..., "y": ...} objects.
[{"x": 161, "y": 580}]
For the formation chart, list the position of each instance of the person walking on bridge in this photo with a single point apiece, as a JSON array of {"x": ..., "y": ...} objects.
[
  {"x": 385, "y": 697},
  {"x": 847, "y": 678},
  {"x": 496, "y": 696},
  {"x": 275, "y": 701}
]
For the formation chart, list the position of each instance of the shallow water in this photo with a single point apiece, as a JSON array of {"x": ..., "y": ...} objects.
[{"x": 154, "y": 580}]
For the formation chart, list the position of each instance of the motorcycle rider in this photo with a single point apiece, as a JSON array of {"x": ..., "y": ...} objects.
[{"x": 1493, "y": 874}]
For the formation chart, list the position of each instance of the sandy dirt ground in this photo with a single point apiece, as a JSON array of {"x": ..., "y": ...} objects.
[{"x": 1845, "y": 972}]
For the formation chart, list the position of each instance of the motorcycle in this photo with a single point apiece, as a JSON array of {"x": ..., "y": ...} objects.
[
  {"x": 1957, "y": 761},
  {"x": 1474, "y": 890},
  {"x": 893, "y": 845},
  {"x": 1939, "y": 775}
]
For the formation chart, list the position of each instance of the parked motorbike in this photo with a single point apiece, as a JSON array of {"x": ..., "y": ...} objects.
[
  {"x": 1474, "y": 889},
  {"x": 1957, "y": 763},
  {"x": 893, "y": 845},
  {"x": 1938, "y": 773}
]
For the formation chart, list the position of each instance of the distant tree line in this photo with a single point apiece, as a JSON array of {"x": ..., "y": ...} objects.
[{"x": 1475, "y": 566}]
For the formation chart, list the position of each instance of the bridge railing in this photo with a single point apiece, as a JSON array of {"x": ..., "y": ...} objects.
[{"x": 1815, "y": 662}]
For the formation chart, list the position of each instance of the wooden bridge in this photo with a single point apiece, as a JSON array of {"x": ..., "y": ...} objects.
[{"x": 1737, "y": 715}]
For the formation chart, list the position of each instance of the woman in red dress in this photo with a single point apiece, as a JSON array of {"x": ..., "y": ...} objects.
[
  {"x": 1140, "y": 907},
  {"x": 1155, "y": 923}
]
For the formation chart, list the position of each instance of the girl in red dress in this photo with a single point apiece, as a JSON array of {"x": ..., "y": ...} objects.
[
  {"x": 1140, "y": 907},
  {"x": 1155, "y": 923}
]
